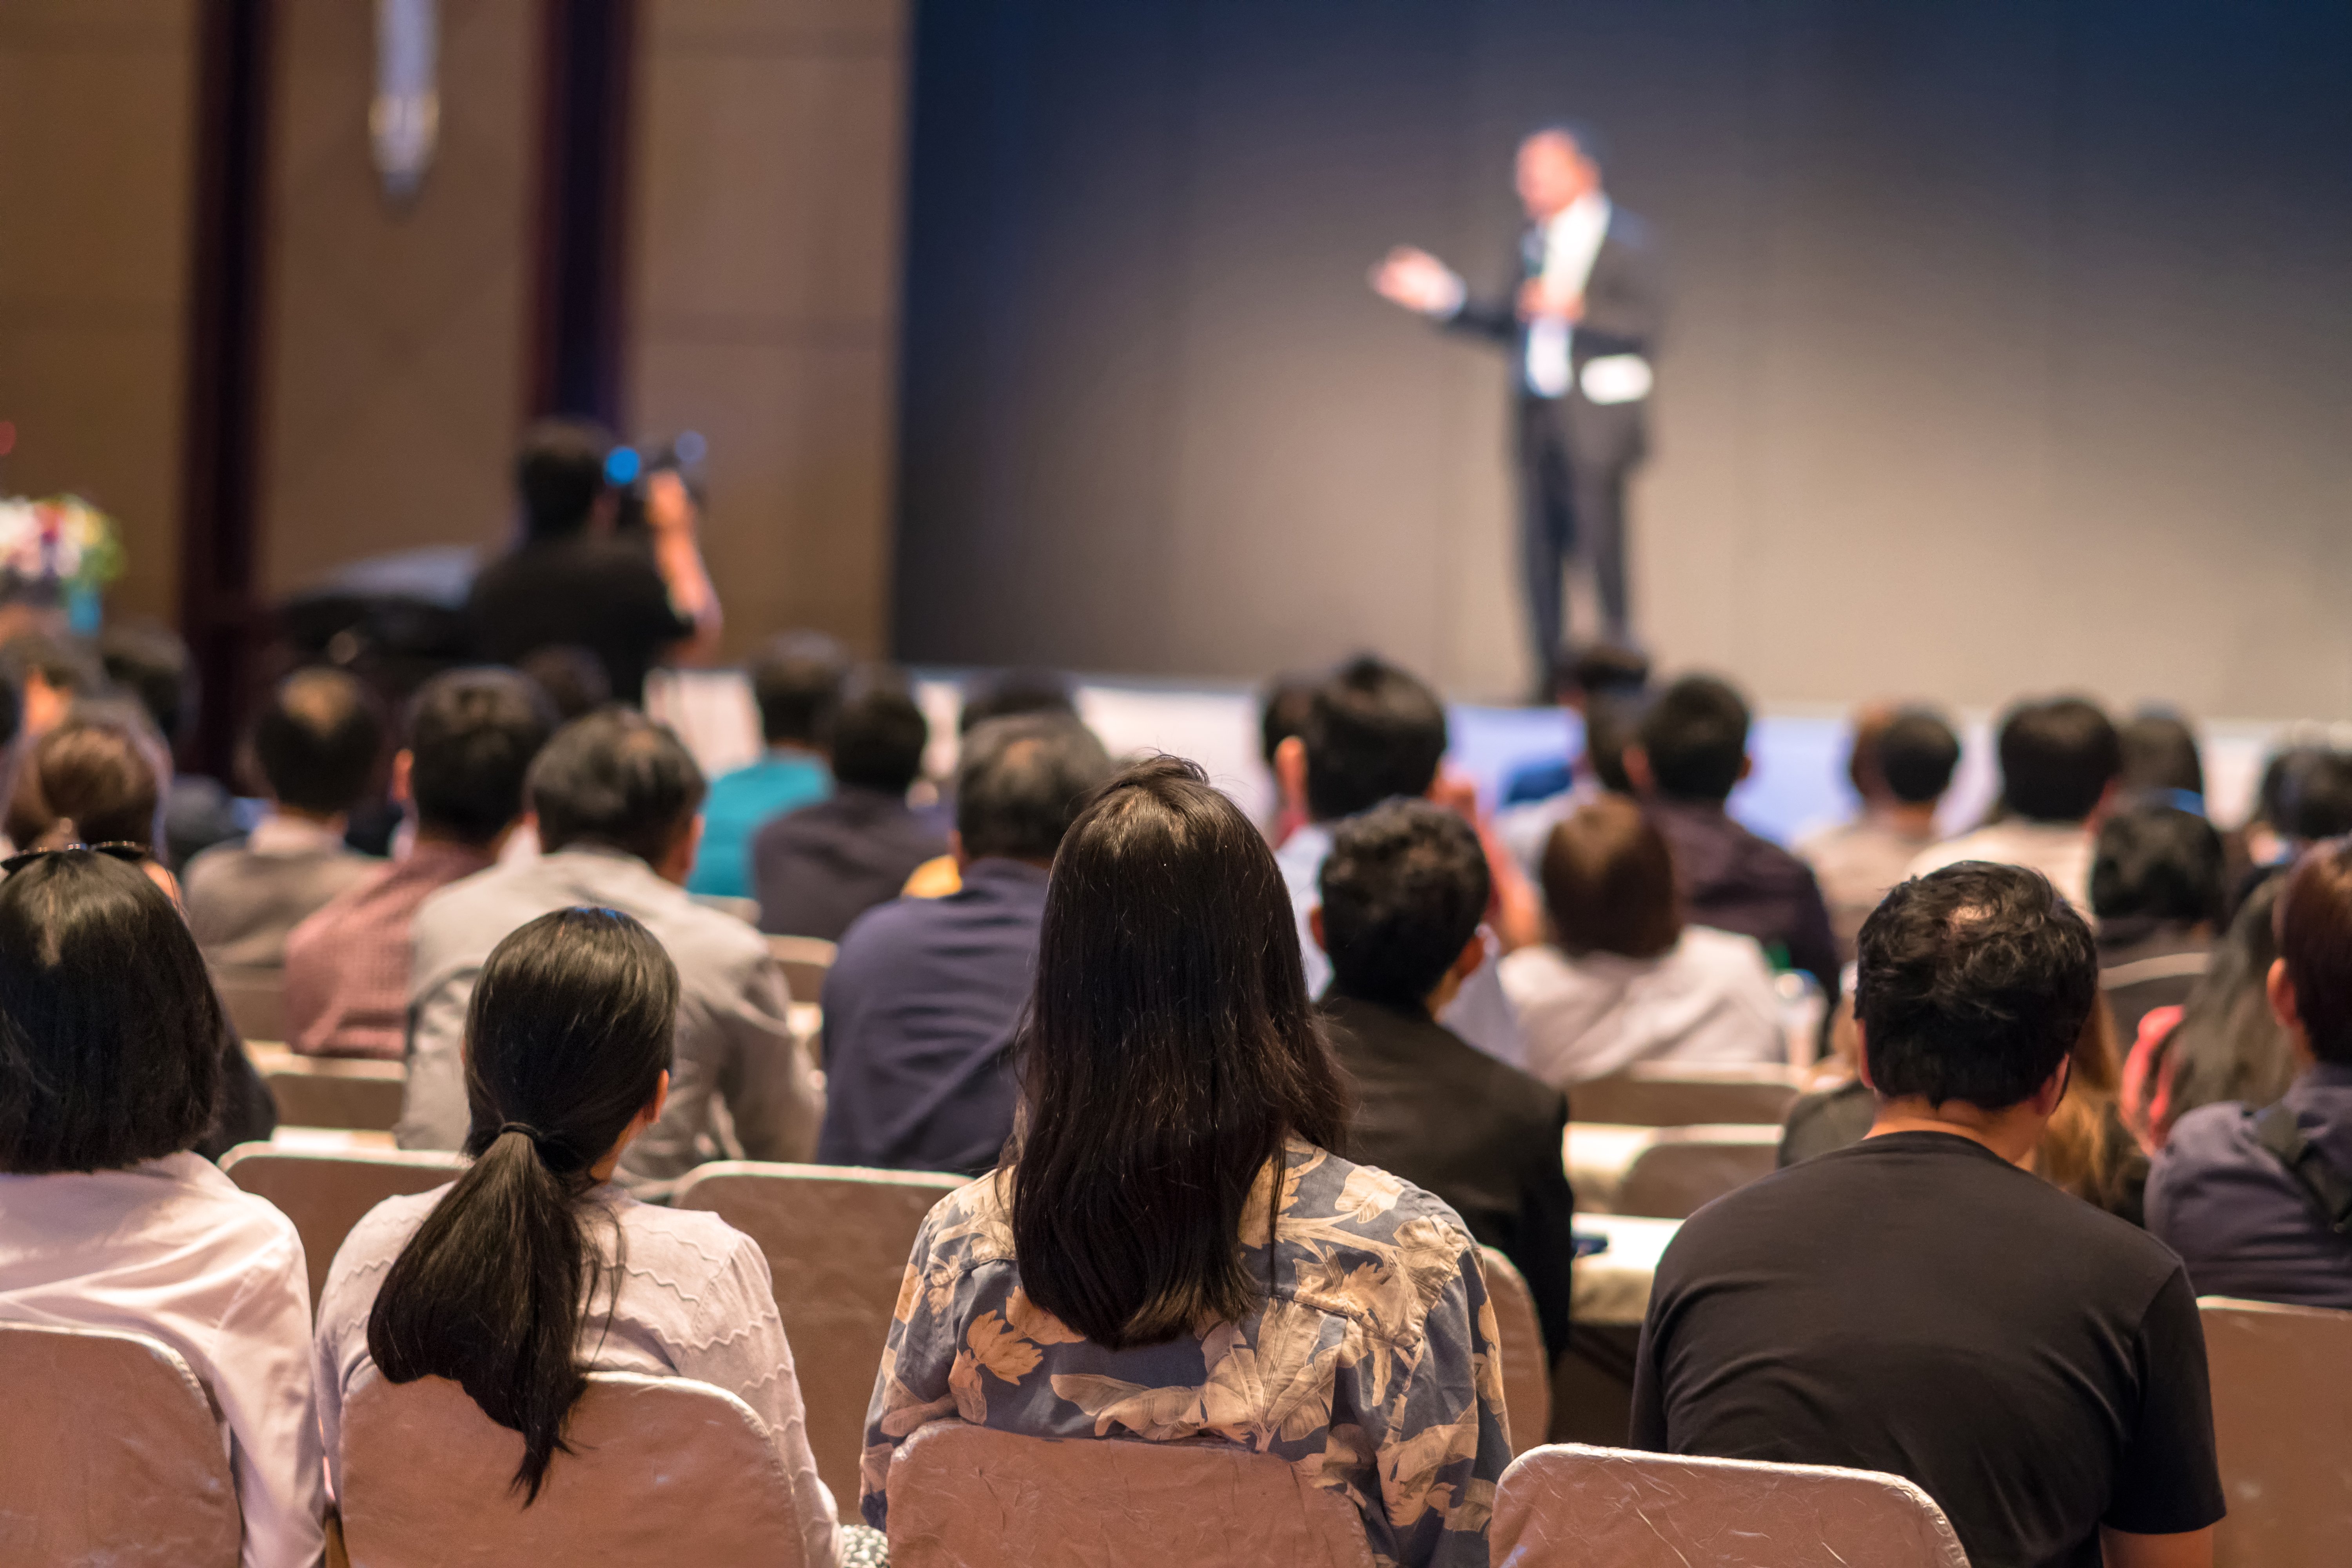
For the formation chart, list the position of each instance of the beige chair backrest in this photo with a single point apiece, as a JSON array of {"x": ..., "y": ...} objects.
[
  {"x": 661, "y": 1470},
  {"x": 805, "y": 959},
  {"x": 1669, "y": 1095},
  {"x": 2283, "y": 1421},
  {"x": 1683, "y": 1168},
  {"x": 255, "y": 1001},
  {"x": 110, "y": 1452},
  {"x": 1574, "y": 1506},
  {"x": 966, "y": 1497},
  {"x": 333, "y": 1091},
  {"x": 1518, "y": 1335},
  {"x": 326, "y": 1194},
  {"x": 837, "y": 1240}
]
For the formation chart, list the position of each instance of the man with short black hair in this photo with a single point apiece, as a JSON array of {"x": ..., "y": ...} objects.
[
  {"x": 1900, "y": 764},
  {"x": 1919, "y": 1303},
  {"x": 924, "y": 997},
  {"x": 472, "y": 734},
  {"x": 315, "y": 744},
  {"x": 1690, "y": 753},
  {"x": 818, "y": 868},
  {"x": 617, "y": 801},
  {"x": 2060, "y": 758},
  {"x": 1404, "y": 891},
  {"x": 796, "y": 682}
]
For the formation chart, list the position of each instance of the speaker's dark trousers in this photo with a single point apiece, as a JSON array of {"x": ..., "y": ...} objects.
[{"x": 1566, "y": 507}]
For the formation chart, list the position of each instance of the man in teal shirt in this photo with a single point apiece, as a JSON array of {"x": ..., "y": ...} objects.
[{"x": 797, "y": 680}]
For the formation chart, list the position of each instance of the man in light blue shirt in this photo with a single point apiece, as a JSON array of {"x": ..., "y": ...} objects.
[{"x": 797, "y": 680}]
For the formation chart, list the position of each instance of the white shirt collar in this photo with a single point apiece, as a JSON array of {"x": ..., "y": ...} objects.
[{"x": 277, "y": 834}]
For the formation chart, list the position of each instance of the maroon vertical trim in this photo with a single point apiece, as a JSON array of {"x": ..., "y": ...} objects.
[{"x": 587, "y": 54}]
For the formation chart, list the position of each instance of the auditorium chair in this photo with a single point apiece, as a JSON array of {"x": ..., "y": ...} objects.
[
  {"x": 110, "y": 1453},
  {"x": 1681, "y": 1169},
  {"x": 837, "y": 1240},
  {"x": 2283, "y": 1423},
  {"x": 1575, "y": 1507},
  {"x": 805, "y": 959},
  {"x": 658, "y": 1470},
  {"x": 966, "y": 1497},
  {"x": 1670, "y": 1094},
  {"x": 355, "y": 1093},
  {"x": 255, "y": 1001},
  {"x": 1519, "y": 1339},
  {"x": 326, "y": 1194}
]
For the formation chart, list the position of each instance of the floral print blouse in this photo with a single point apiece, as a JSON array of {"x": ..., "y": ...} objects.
[{"x": 1370, "y": 1366}]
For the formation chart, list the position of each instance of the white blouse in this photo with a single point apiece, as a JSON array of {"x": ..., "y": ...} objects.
[
  {"x": 1708, "y": 999},
  {"x": 694, "y": 1300},
  {"x": 175, "y": 1249}
]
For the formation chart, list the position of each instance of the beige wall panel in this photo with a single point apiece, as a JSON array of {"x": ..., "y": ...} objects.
[{"x": 96, "y": 129}]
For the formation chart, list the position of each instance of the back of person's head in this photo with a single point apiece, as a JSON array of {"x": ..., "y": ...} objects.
[
  {"x": 2158, "y": 751},
  {"x": 1372, "y": 733},
  {"x": 317, "y": 740},
  {"x": 879, "y": 734},
  {"x": 797, "y": 680},
  {"x": 575, "y": 679},
  {"x": 2311, "y": 798},
  {"x": 48, "y": 675},
  {"x": 94, "y": 779},
  {"x": 113, "y": 1045},
  {"x": 1169, "y": 1054},
  {"x": 472, "y": 734},
  {"x": 615, "y": 780},
  {"x": 1012, "y": 691},
  {"x": 2153, "y": 861},
  {"x": 1612, "y": 722},
  {"x": 1599, "y": 669},
  {"x": 567, "y": 1037},
  {"x": 1695, "y": 738},
  {"x": 153, "y": 665},
  {"x": 1020, "y": 781},
  {"x": 2228, "y": 1046},
  {"x": 560, "y": 476},
  {"x": 1404, "y": 889},
  {"x": 2058, "y": 755},
  {"x": 1609, "y": 883},
  {"x": 12, "y": 706},
  {"x": 1282, "y": 711},
  {"x": 2314, "y": 943},
  {"x": 1974, "y": 982},
  {"x": 1916, "y": 752}
]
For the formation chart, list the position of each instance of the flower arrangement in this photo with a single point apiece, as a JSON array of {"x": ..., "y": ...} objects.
[{"x": 60, "y": 549}]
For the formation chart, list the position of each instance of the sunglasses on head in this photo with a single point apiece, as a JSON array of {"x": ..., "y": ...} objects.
[{"x": 119, "y": 849}]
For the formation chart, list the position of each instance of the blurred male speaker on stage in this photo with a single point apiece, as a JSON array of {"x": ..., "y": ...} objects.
[{"x": 1581, "y": 321}]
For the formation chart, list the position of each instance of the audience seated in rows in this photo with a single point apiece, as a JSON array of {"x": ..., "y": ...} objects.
[
  {"x": 1181, "y": 1100},
  {"x": 112, "y": 1049},
  {"x": 152, "y": 666},
  {"x": 533, "y": 1267},
  {"x": 616, "y": 798},
  {"x": 2156, "y": 891},
  {"x": 1691, "y": 753},
  {"x": 1597, "y": 672},
  {"x": 1374, "y": 732},
  {"x": 2059, "y": 763},
  {"x": 2257, "y": 1200},
  {"x": 1608, "y": 688},
  {"x": 472, "y": 734},
  {"x": 315, "y": 744},
  {"x": 1001, "y": 695},
  {"x": 818, "y": 868},
  {"x": 2223, "y": 1042},
  {"x": 925, "y": 996},
  {"x": 1900, "y": 764},
  {"x": 1404, "y": 892},
  {"x": 1620, "y": 977},
  {"x": 796, "y": 684},
  {"x": 1915, "y": 1303},
  {"x": 572, "y": 582},
  {"x": 2157, "y": 755}
]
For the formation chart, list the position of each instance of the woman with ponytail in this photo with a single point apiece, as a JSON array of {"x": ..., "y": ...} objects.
[{"x": 532, "y": 1268}]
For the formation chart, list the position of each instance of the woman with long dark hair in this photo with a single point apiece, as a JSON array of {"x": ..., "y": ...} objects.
[
  {"x": 1172, "y": 1251},
  {"x": 532, "y": 1268}
]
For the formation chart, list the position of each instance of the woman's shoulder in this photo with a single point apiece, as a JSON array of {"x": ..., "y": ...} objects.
[{"x": 1359, "y": 1242}]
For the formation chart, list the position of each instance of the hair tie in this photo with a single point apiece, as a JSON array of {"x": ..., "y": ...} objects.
[{"x": 538, "y": 1139}]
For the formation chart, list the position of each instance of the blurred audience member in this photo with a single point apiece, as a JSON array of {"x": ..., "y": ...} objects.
[
  {"x": 1607, "y": 688},
  {"x": 796, "y": 681},
  {"x": 818, "y": 868},
  {"x": 1916, "y": 1303},
  {"x": 1602, "y": 670},
  {"x": 153, "y": 665},
  {"x": 1282, "y": 713},
  {"x": 2222, "y": 1043},
  {"x": 2258, "y": 1203},
  {"x": 2158, "y": 754},
  {"x": 110, "y": 1075},
  {"x": 573, "y": 678},
  {"x": 1404, "y": 894},
  {"x": 2059, "y": 761},
  {"x": 315, "y": 744},
  {"x": 1691, "y": 753},
  {"x": 923, "y": 1000},
  {"x": 472, "y": 734},
  {"x": 50, "y": 674},
  {"x": 1006, "y": 692},
  {"x": 1623, "y": 979},
  {"x": 2305, "y": 796},
  {"x": 2157, "y": 892},
  {"x": 570, "y": 582},
  {"x": 1900, "y": 764},
  {"x": 616, "y": 799}
]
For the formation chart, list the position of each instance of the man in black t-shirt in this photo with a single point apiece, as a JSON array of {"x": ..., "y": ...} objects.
[{"x": 1920, "y": 1304}]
